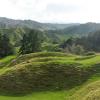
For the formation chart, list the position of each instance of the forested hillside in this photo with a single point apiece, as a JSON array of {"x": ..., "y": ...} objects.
[
  {"x": 15, "y": 29},
  {"x": 11, "y": 23}
]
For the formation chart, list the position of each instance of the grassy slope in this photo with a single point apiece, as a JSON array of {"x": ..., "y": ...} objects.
[
  {"x": 60, "y": 58},
  {"x": 89, "y": 91}
]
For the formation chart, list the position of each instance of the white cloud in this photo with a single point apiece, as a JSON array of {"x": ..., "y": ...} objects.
[{"x": 52, "y": 10}]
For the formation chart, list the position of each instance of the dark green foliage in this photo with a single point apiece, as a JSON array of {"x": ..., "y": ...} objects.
[
  {"x": 31, "y": 42},
  {"x": 70, "y": 46},
  {"x": 50, "y": 47},
  {"x": 82, "y": 29},
  {"x": 6, "y": 47},
  {"x": 91, "y": 42},
  {"x": 14, "y": 34},
  {"x": 89, "y": 53},
  {"x": 67, "y": 43},
  {"x": 88, "y": 43}
]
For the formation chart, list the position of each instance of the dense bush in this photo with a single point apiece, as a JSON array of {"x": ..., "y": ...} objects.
[
  {"x": 89, "y": 53},
  {"x": 6, "y": 48}
]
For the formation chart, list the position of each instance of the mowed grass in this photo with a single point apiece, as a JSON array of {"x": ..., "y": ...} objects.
[
  {"x": 89, "y": 60},
  {"x": 77, "y": 93},
  {"x": 4, "y": 62},
  {"x": 60, "y": 95},
  {"x": 48, "y": 95},
  {"x": 44, "y": 56},
  {"x": 89, "y": 91},
  {"x": 7, "y": 59}
]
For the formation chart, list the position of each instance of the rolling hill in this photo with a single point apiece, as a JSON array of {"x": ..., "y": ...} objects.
[
  {"x": 82, "y": 29},
  {"x": 11, "y": 23},
  {"x": 16, "y": 28},
  {"x": 54, "y": 32},
  {"x": 50, "y": 76}
]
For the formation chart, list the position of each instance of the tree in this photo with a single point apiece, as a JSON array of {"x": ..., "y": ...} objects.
[
  {"x": 31, "y": 42},
  {"x": 77, "y": 49},
  {"x": 50, "y": 47},
  {"x": 6, "y": 47},
  {"x": 66, "y": 44}
]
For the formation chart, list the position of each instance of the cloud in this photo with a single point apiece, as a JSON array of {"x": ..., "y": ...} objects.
[
  {"x": 62, "y": 8},
  {"x": 51, "y": 10}
]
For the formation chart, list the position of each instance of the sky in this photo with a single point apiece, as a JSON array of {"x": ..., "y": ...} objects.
[{"x": 52, "y": 11}]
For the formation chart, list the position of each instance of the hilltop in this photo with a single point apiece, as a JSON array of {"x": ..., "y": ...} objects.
[{"x": 12, "y": 23}]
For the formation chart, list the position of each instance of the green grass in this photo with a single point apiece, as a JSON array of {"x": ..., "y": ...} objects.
[
  {"x": 39, "y": 96},
  {"x": 57, "y": 95},
  {"x": 90, "y": 91},
  {"x": 90, "y": 61},
  {"x": 6, "y": 60},
  {"x": 20, "y": 70}
]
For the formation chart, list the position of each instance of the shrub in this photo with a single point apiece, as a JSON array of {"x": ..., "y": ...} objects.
[{"x": 89, "y": 53}]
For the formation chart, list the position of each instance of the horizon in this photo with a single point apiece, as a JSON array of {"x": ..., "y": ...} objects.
[
  {"x": 50, "y": 22},
  {"x": 50, "y": 11}
]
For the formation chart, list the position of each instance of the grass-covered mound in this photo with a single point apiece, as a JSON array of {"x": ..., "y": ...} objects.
[
  {"x": 48, "y": 76},
  {"x": 90, "y": 91},
  {"x": 45, "y": 72}
]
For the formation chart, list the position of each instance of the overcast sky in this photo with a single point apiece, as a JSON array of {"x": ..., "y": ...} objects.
[{"x": 56, "y": 11}]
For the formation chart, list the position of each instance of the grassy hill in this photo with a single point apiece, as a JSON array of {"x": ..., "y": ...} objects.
[
  {"x": 90, "y": 91},
  {"x": 50, "y": 76}
]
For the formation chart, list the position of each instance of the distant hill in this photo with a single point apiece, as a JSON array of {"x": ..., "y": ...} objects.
[
  {"x": 76, "y": 30},
  {"x": 11, "y": 23},
  {"x": 16, "y": 28},
  {"x": 56, "y": 32},
  {"x": 82, "y": 29}
]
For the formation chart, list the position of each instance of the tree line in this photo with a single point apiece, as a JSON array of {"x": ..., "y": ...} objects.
[
  {"x": 6, "y": 48},
  {"x": 82, "y": 44},
  {"x": 34, "y": 41}
]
